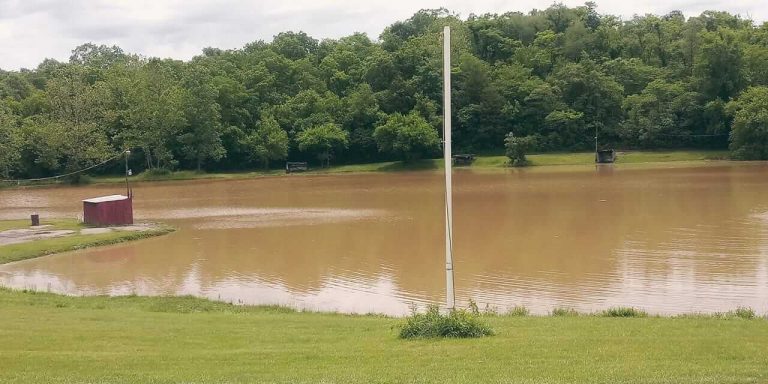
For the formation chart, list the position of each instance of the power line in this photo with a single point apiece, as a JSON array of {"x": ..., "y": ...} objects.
[
  {"x": 681, "y": 135},
  {"x": 18, "y": 181}
]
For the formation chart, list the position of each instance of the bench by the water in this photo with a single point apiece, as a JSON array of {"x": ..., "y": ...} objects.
[
  {"x": 296, "y": 166},
  {"x": 463, "y": 159},
  {"x": 604, "y": 156}
]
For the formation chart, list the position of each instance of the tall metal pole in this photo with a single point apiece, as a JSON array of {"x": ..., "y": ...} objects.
[
  {"x": 127, "y": 189},
  {"x": 450, "y": 296},
  {"x": 596, "y": 157}
]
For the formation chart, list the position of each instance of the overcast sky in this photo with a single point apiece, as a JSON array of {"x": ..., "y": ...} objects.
[{"x": 31, "y": 30}]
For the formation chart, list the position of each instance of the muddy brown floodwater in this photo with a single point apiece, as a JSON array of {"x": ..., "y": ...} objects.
[{"x": 666, "y": 240}]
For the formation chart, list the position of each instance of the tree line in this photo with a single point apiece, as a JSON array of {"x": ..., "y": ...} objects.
[{"x": 553, "y": 78}]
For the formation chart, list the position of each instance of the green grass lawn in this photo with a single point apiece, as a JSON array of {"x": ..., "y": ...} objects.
[
  {"x": 56, "y": 339},
  {"x": 22, "y": 251}
]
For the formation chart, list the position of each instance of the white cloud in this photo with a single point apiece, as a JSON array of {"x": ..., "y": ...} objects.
[{"x": 31, "y": 30}]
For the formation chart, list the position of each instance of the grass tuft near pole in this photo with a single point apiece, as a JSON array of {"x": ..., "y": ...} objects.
[{"x": 457, "y": 323}]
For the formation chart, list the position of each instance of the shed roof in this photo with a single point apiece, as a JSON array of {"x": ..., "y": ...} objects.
[{"x": 104, "y": 199}]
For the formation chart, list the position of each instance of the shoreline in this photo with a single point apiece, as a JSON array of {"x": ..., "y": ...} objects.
[
  {"x": 577, "y": 161},
  {"x": 71, "y": 236},
  {"x": 204, "y": 304}
]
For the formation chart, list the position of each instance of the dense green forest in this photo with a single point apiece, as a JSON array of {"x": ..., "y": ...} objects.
[{"x": 556, "y": 76}]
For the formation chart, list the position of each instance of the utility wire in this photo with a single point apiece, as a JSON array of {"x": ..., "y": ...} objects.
[
  {"x": 679, "y": 135},
  {"x": 18, "y": 181}
]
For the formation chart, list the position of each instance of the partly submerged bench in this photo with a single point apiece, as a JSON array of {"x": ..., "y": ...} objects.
[
  {"x": 605, "y": 156},
  {"x": 463, "y": 159},
  {"x": 296, "y": 166}
]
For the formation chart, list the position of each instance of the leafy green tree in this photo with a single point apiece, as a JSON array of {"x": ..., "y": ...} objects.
[
  {"x": 154, "y": 111},
  {"x": 406, "y": 136},
  {"x": 518, "y": 147},
  {"x": 749, "y": 138},
  {"x": 361, "y": 115},
  {"x": 60, "y": 147},
  {"x": 71, "y": 98},
  {"x": 15, "y": 86},
  {"x": 344, "y": 66},
  {"x": 755, "y": 59},
  {"x": 632, "y": 74},
  {"x": 663, "y": 112},
  {"x": 323, "y": 140},
  {"x": 10, "y": 145},
  {"x": 97, "y": 56},
  {"x": 564, "y": 130},
  {"x": 719, "y": 69},
  {"x": 577, "y": 39},
  {"x": 557, "y": 75},
  {"x": 201, "y": 139},
  {"x": 268, "y": 142},
  {"x": 482, "y": 117},
  {"x": 307, "y": 109},
  {"x": 587, "y": 89},
  {"x": 294, "y": 45}
]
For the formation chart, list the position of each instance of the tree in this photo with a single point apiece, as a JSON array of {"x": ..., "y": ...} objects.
[
  {"x": 307, "y": 109},
  {"x": 564, "y": 130},
  {"x": 719, "y": 69},
  {"x": 154, "y": 111},
  {"x": 97, "y": 56},
  {"x": 557, "y": 75},
  {"x": 202, "y": 137},
  {"x": 10, "y": 145},
  {"x": 587, "y": 89},
  {"x": 517, "y": 147},
  {"x": 406, "y": 136},
  {"x": 479, "y": 105},
  {"x": 267, "y": 142},
  {"x": 294, "y": 46},
  {"x": 662, "y": 114},
  {"x": 323, "y": 140},
  {"x": 58, "y": 146},
  {"x": 361, "y": 116},
  {"x": 749, "y": 137}
]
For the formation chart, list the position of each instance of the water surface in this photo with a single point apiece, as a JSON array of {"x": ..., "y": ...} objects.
[{"x": 666, "y": 240}]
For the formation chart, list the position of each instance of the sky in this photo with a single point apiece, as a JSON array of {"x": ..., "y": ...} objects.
[{"x": 32, "y": 30}]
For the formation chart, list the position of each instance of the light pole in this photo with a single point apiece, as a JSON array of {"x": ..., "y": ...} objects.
[
  {"x": 597, "y": 159},
  {"x": 450, "y": 299},
  {"x": 127, "y": 189}
]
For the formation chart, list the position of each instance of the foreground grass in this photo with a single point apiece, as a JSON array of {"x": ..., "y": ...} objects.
[
  {"x": 56, "y": 339},
  {"x": 29, "y": 250}
]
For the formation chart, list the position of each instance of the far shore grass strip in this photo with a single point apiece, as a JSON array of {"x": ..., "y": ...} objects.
[{"x": 626, "y": 159}]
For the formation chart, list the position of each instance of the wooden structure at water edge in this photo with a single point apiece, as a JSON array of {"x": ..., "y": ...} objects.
[
  {"x": 108, "y": 210},
  {"x": 296, "y": 166},
  {"x": 463, "y": 159},
  {"x": 605, "y": 156}
]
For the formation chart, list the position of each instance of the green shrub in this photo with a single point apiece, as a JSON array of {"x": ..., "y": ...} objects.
[
  {"x": 562, "y": 312},
  {"x": 739, "y": 313},
  {"x": 458, "y": 323},
  {"x": 156, "y": 174},
  {"x": 519, "y": 311},
  {"x": 79, "y": 179},
  {"x": 623, "y": 312},
  {"x": 744, "y": 313},
  {"x": 517, "y": 147}
]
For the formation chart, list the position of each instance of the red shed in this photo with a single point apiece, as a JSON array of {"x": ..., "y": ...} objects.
[{"x": 108, "y": 210}]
